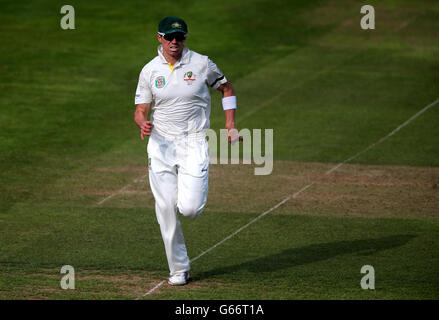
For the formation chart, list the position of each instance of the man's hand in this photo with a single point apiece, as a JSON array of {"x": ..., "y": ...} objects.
[
  {"x": 233, "y": 136},
  {"x": 141, "y": 119},
  {"x": 145, "y": 129},
  {"x": 232, "y": 133}
]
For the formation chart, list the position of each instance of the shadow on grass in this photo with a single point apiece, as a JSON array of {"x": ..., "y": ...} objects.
[{"x": 312, "y": 253}]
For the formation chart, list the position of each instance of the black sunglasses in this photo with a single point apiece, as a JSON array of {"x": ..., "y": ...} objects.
[{"x": 179, "y": 36}]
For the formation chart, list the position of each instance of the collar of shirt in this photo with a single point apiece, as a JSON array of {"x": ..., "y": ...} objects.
[{"x": 185, "y": 57}]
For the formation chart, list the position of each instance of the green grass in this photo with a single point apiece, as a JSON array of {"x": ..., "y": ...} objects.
[
  {"x": 281, "y": 257},
  {"x": 303, "y": 68}
]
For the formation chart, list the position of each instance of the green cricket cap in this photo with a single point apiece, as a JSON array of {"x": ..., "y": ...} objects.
[{"x": 172, "y": 24}]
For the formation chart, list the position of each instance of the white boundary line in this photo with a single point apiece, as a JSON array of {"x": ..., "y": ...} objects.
[
  {"x": 303, "y": 189},
  {"x": 120, "y": 190},
  {"x": 386, "y": 137},
  {"x": 153, "y": 289}
]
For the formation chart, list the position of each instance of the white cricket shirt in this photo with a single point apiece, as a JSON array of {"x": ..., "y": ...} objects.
[{"x": 180, "y": 98}]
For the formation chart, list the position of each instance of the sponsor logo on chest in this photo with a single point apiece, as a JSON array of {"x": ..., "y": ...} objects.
[
  {"x": 160, "y": 82},
  {"x": 189, "y": 78}
]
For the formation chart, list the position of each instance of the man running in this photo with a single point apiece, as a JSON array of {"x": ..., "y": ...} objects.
[{"x": 174, "y": 86}]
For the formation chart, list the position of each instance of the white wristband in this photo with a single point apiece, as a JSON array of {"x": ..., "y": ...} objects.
[{"x": 229, "y": 103}]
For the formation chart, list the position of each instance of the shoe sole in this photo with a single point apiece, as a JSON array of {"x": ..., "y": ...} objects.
[
  {"x": 179, "y": 284},
  {"x": 176, "y": 284}
]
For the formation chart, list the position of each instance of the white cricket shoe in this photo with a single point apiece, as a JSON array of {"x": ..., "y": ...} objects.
[{"x": 179, "y": 279}]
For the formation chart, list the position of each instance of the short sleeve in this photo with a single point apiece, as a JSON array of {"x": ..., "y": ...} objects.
[
  {"x": 143, "y": 91},
  {"x": 215, "y": 77}
]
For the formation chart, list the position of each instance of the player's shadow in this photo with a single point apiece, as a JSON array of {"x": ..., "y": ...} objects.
[{"x": 311, "y": 253}]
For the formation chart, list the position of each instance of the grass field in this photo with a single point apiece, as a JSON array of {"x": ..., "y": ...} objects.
[{"x": 73, "y": 179}]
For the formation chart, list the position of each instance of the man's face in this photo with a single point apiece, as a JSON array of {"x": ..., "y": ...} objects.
[{"x": 172, "y": 44}]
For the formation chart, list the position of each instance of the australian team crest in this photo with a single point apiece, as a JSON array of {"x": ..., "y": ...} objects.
[
  {"x": 189, "y": 77},
  {"x": 160, "y": 82}
]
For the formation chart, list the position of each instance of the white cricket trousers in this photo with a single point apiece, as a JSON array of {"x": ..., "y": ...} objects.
[{"x": 178, "y": 177}]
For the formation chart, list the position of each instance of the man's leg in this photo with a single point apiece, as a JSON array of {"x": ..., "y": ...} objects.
[
  {"x": 163, "y": 183},
  {"x": 164, "y": 186},
  {"x": 193, "y": 178},
  {"x": 192, "y": 194}
]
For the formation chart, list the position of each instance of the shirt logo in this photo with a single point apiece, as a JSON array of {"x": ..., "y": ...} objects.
[
  {"x": 160, "y": 82},
  {"x": 189, "y": 77}
]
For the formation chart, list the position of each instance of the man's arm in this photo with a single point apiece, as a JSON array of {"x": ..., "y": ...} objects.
[
  {"x": 141, "y": 119},
  {"x": 227, "y": 91}
]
